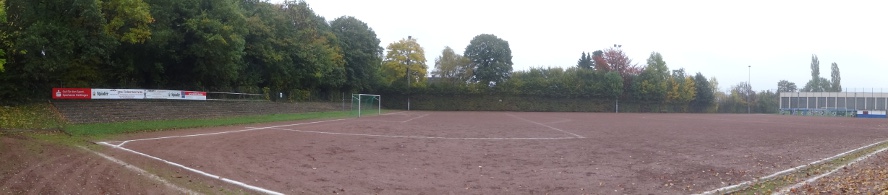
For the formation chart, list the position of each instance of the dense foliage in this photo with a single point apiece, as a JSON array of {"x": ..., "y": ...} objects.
[
  {"x": 218, "y": 45},
  {"x": 254, "y": 46}
]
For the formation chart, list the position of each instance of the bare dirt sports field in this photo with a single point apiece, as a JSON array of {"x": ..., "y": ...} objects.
[
  {"x": 420, "y": 152},
  {"x": 502, "y": 152}
]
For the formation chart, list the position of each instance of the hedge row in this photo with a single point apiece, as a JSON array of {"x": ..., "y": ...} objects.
[{"x": 482, "y": 102}]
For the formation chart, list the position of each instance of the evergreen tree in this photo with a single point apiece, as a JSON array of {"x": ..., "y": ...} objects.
[{"x": 585, "y": 61}]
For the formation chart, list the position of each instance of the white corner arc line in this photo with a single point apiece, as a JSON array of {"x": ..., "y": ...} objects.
[
  {"x": 141, "y": 171},
  {"x": 224, "y": 132},
  {"x": 544, "y": 125},
  {"x": 724, "y": 189},
  {"x": 429, "y": 137},
  {"x": 241, "y": 184},
  {"x": 815, "y": 178}
]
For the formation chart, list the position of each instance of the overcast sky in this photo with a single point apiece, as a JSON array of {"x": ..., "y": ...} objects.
[{"x": 717, "y": 38}]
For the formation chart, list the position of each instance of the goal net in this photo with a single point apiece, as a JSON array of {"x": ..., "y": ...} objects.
[{"x": 366, "y": 104}]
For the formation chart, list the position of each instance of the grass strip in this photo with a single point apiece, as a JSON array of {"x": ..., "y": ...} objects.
[
  {"x": 777, "y": 183},
  {"x": 104, "y": 129},
  {"x": 35, "y": 116}
]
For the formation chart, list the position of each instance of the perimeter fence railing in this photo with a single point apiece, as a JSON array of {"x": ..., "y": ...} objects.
[{"x": 233, "y": 96}]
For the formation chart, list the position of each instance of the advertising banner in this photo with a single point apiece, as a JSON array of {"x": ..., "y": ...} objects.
[
  {"x": 164, "y": 94},
  {"x": 195, "y": 95},
  {"x": 118, "y": 94},
  {"x": 71, "y": 93}
]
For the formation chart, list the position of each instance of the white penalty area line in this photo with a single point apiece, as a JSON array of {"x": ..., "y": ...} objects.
[
  {"x": 141, "y": 172},
  {"x": 420, "y": 116},
  {"x": 230, "y": 181},
  {"x": 404, "y": 121},
  {"x": 217, "y": 133},
  {"x": 394, "y": 113},
  {"x": 550, "y": 127},
  {"x": 735, "y": 186},
  {"x": 429, "y": 137},
  {"x": 815, "y": 178}
]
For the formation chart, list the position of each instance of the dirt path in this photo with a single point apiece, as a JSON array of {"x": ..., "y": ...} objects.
[{"x": 32, "y": 166}]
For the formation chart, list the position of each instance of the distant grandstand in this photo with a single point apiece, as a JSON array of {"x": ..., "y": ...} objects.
[{"x": 850, "y": 104}]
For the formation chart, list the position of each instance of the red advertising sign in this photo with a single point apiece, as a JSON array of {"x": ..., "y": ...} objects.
[
  {"x": 195, "y": 95},
  {"x": 71, "y": 93}
]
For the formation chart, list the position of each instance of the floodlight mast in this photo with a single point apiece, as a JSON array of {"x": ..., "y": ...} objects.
[{"x": 407, "y": 74}]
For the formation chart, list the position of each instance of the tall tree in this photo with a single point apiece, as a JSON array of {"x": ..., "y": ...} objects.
[
  {"x": 704, "y": 94},
  {"x": 318, "y": 60},
  {"x": 2, "y": 34},
  {"x": 681, "y": 89},
  {"x": 452, "y": 67},
  {"x": 653, "y": 84},
  {"x": 743, "y": 97},
  {"x": 402, "y": 57},
  {"x": 618, "y": 61},
  {"x": 835, "y": 79},
  {"x": 270, "y": 42},
  {"x": 128, "y": 20},
  {"x": 216, "y": 36},
  {"x": 585, "y": 61},
  {"x": 58, "y": 43},
  {"x": 815, "y": 67},
  {"x": 491, "y": 57},
  {"x": 599, "y": 61},
  {"x": 361, "y": 49},
  {"x": 786, "y": 86},
  {"x": 817, "y": 83}
]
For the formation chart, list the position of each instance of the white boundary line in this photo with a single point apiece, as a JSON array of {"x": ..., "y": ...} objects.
[
  {"x": 218, "y": 133},
  {"x": 427, "y": 137},
  {"x": 241, "y": 184},
  {"x": 394, "y": 113},
  {"x": 724, "y": 189},
  {"x": 141, "y": 172},
  {"x": 408, "y": 120},
  {"x": 815, "y": 178},
  {"x": 385, "y": 121},
  {"x": 544, "y": 125}
]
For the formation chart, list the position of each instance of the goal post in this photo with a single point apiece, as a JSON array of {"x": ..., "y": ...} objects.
[{"x": 366, "y": 104}]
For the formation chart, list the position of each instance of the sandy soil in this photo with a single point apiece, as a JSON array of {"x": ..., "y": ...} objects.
[
  {"x": 512, "y": 152},
  {"x": 31, "y": 166},
  {"x": 456, "y": 153}
]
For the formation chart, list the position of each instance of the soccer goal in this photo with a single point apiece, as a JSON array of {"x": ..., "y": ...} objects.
[{"x": 366, "y": 104}]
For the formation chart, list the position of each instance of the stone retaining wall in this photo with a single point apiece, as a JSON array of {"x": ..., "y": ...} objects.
[{"x": 102, "y": 111}]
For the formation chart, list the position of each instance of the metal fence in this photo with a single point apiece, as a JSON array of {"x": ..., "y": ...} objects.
[
  {"x": 231, "y": 96},
  {"x": 852, "y": 100}
]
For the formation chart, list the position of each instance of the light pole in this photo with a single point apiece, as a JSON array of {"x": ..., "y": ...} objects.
[
  {"x": 407, "y": 74},
  {"x": 748, "y": 87}
]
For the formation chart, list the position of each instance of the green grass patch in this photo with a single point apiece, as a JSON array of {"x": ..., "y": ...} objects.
[
  {"x": 34, "y": 116},
  {"x": 102, "y": 129},
  {"x": 778, "y": 183}
]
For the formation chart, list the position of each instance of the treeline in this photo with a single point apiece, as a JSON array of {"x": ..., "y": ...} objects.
[
  {"x": 601, "y": 76},
  {"x": 217, "y": 45},
  {"x": 253, "y": 46}
]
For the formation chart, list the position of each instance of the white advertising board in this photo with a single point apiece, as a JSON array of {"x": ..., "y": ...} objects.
[
  {"x": 118, "y": 94},
  {"x": 164, "y": 94}
]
